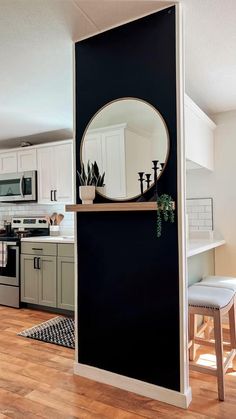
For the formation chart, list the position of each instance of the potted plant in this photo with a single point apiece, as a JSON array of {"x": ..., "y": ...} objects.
[
  {"x": 165, "y": 211},
  {"x": 87, "y": 187},
  {"x": 98, "y": 179}
]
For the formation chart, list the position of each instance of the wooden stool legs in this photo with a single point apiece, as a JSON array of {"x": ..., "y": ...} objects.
[
  {"x": 232, "y": 324},
  {"x": 192, "y": 334},
  {"x": 219, "y": 353},
  {"x": 221, "y": 366}
]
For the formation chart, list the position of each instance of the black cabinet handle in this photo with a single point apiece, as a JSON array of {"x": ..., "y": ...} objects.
[
  {"x": 35, "y": 263},
  {"x": 51, "y": 192},
  {"x": 37, "y": 248},
  {"x": 55, "y": 195},
  {"x": 38, "y": 263}
]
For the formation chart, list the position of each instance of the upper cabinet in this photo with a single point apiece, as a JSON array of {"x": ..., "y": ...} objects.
[
  {"x": 55, "y": 173},
  {"x": 106, "y": 146},
  {"x": 18, "y": 160},
  {"x": 27, "y": 159},
  {"x": 121, "y": 152},
  {"x": 54, "y": 165},
  {"x": 8, "y": 162},
  {"x": 199, "y": 137},
  {"x": 46, "y": 187}
]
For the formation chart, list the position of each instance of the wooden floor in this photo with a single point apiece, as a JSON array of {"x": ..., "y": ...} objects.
[{"x": 37, "y": 381}]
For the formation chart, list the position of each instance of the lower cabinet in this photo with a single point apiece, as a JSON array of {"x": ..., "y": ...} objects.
[
  {"x": 29, "y": 280},
  {"x": 65, "y": 283},
  {"x": 48, "y": 280}
]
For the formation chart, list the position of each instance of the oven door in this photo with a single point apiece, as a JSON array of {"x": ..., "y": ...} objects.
[
  {"x": 18, "y": 187},
  {"x": 10, "y": 274}
]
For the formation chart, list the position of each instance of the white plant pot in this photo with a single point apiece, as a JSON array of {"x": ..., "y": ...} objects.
[
  {"x": 87, "y": 194},
  {"x": 101, "y": 190}
]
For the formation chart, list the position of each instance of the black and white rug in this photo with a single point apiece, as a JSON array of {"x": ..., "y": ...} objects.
[{"x": 59, "y": 330}]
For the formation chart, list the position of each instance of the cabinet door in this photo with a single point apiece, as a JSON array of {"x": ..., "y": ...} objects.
[
  {"x": 65, "y": 282},
  {"x": 29, "y": 280},
  {"x": 63, "y": 173},
  {"x": 199, "y": 136},
  {"x": 27, "y": 160},
  {"x": 48, "y": 281},
  {"x": 45, "y": 174},
  {"x": 113, "y": 158},
  {"x": 8, "y": 163},
  {"x": 92, "y": 149}
]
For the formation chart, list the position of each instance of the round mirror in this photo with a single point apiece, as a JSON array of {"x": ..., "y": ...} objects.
[{"x": 124, "y": 138}]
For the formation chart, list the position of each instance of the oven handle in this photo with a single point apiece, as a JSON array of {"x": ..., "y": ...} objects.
[{"x": 21, "y": 186}]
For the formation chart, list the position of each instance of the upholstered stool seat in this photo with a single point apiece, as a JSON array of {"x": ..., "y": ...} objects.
[
  {"x": 214, "y": 302},
  {"x": 204, "y": 296},
  {"x": 226, "y": 282}
]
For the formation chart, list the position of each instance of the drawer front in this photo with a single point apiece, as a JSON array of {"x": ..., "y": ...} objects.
[
  {"x": 66, "y": 249},
  {"x": 49, "y": 249}
]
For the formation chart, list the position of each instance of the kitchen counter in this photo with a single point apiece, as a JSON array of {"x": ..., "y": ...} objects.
[
  {"x": 196, "y": 246},
  {"x": 50, "y": 239}
]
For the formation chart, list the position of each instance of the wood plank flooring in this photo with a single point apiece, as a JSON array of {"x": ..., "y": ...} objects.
[{"x": 37, "y": 381}]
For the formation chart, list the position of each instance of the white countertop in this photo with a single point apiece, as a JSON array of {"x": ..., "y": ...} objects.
[
  {"x": 196, "y": 246},
  {"x": 50, "y": 239}
]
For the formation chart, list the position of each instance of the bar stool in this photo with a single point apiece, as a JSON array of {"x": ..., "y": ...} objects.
[
  {"x": 227, "y": 282},
  {"x": 213, "y": 302}
]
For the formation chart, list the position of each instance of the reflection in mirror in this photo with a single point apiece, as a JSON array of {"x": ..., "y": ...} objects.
[{"x": 124, "y": 138}]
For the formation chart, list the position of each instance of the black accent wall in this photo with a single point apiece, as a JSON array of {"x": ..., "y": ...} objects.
[{"x": 127, "y": 278}]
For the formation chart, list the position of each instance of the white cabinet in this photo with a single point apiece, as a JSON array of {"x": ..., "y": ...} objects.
[
  {"x": 113, "y": 147},
  {"x": 18, "y": 161},
  {"x": 8, "y": 162},
  {"x": 45, "y": 175},
  {"x": 63, "y": 172},
  {"x": 106, "y": 147},
  {"x": 27, "y": 159},
  {"x": 54, "y": 165},
  {"x": 55, "y": 173},
  {"x": 199, "y": 137}
]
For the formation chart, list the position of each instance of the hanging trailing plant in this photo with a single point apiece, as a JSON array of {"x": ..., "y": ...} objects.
[{"x": 165, "y": 211}]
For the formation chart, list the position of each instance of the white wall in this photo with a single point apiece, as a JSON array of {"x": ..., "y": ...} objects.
[{"x": 221, "y": 185}]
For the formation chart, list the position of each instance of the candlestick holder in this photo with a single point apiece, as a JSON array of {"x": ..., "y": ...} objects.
[
  {"x": 155, "y": 168},
  {"x": 148, "y": 179},
  {"x": 141, "y": 180}
]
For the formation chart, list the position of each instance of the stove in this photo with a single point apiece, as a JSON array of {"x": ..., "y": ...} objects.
[{"x": 10, "y": 274}]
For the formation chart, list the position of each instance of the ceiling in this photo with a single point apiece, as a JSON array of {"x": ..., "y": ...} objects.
[{"x": 36, "y": 58}]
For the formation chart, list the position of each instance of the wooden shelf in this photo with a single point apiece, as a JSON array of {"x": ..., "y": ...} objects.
[{"x": 117, "y": 206}]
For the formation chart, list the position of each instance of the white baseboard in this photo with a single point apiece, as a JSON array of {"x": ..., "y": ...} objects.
[{"x": 135, "y": 386}]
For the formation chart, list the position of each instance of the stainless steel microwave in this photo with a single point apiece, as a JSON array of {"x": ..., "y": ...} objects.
[{"x": 18, "y": 187}]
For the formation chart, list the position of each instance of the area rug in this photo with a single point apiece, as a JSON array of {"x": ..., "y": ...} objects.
[{"x": 59, "y": 330}]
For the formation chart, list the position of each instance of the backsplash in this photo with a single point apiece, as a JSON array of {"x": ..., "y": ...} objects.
[
  {"x": 200, "y": 214},
  {"x": 20, "y": 210}
]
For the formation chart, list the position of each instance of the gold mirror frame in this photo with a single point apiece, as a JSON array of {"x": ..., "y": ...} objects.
[{"x": 168, "y": 145}]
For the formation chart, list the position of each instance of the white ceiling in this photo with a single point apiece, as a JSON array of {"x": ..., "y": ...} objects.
[{"x": 36, "y": 57}]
